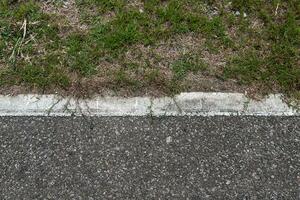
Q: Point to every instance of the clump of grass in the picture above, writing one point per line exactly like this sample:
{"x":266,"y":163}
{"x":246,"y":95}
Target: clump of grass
{"x":124,"y":30}
{"x":81,"y":56}
{"x":188,"y":63}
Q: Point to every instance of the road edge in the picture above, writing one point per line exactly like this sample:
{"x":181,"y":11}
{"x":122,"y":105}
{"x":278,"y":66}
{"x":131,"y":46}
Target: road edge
{"x":184,"y":104}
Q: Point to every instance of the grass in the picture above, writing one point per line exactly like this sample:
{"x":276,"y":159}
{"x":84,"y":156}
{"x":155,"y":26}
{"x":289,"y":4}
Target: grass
{"x":23,"y":63}
{"x":186,"y":64}
{"x":144,"y":46}
{"x":279,"y":64}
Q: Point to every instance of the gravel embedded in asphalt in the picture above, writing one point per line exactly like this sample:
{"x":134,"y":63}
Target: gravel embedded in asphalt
{"x":150,"y":158}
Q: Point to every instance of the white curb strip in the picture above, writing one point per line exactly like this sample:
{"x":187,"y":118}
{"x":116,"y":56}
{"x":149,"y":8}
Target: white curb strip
{"x":190,"y":104}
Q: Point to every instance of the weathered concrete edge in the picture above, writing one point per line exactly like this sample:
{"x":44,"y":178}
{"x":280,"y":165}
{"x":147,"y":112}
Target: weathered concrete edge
{"x":185,"y":104}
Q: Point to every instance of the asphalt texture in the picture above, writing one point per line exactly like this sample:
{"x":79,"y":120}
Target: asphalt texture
{"x":150,"y":158}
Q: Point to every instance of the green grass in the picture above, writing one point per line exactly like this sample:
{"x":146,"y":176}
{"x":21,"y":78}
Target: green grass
{"x":23,"y":62}
{"x":264,"y":47}
{"x":80,"y":55}
{"x":279,"y":64}
{"x":186,"y":64}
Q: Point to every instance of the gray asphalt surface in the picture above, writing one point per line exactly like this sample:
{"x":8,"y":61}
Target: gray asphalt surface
{"x":150,"y":158}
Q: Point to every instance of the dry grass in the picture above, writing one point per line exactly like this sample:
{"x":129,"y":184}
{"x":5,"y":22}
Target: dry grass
{"x":68,"y":14}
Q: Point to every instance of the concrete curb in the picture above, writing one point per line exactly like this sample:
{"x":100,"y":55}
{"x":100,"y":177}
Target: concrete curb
{"x":189,"y":104}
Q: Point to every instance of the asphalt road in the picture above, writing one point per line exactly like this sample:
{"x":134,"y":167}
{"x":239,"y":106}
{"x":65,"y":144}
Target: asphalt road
{"x":150,"y":158}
